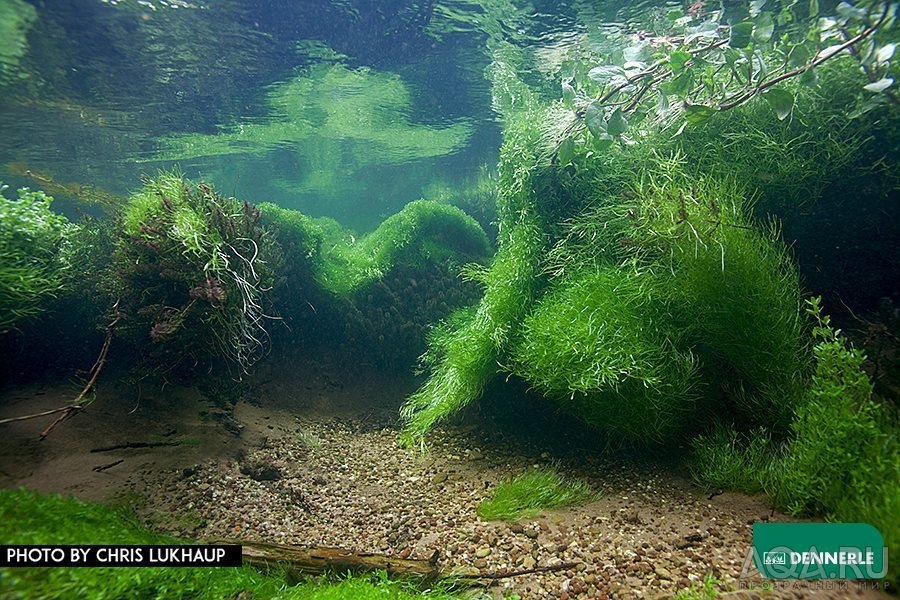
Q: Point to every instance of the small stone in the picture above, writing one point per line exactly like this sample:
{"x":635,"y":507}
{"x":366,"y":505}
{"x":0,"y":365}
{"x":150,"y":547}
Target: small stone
{"x":663,"y":573}
{"x":480,"y":563}
{"x":483,"y":552}
{"x":529,"y":562}
{"x":439,"y":478}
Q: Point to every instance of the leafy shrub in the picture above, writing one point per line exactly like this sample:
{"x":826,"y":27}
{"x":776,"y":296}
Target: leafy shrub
{"x":526,"y":495}
{"x":34,"y":255}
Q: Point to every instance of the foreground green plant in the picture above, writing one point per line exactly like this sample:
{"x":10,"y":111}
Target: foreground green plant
{"x":527,"y":495}
{"x":30,"y":518}
{"x":34,"y":254}
{"x":841,"y":458}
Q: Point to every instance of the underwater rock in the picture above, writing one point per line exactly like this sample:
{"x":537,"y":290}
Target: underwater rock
{"x":260,"y":471}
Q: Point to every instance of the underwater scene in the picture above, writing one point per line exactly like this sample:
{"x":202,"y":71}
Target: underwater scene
{"x":449,"y":299}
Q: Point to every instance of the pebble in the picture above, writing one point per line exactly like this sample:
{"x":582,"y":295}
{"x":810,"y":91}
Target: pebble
{"x":365,"y":494}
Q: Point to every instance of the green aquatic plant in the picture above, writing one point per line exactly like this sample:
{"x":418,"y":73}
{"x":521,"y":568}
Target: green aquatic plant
{"x":586,"y":346}
{"x":196,"y":267}
{"x":423,"y":232}
{"x":840,"y":459}
{"x":699,"y":65}
{"x":34,"y":255}
{"x":31,"y":518}
{"x":16,"y":20}
{"x":528,"y":494}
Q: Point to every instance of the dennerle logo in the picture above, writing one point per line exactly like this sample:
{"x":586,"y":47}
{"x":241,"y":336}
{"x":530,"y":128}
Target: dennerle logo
{"x":819,"y":551}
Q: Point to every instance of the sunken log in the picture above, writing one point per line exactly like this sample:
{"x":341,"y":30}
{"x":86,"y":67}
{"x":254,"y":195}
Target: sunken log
{"x":315,"y":561}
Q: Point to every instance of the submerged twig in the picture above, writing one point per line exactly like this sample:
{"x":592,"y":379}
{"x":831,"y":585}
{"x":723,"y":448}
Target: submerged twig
{"x":81,"y":400}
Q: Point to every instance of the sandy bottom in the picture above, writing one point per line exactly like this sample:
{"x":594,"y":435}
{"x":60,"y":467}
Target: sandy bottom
{"x":312,"y":459}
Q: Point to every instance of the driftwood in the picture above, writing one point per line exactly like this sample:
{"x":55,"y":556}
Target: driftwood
{"x":82,"y":400}
{"x":101,"y":468}
{"x":316,"y":561}
{"x":131,"y":445}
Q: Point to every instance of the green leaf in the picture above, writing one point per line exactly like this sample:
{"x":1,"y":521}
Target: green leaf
{"x":697,"y":113}
{"x":593,"y":118}
{"x":674,"y":14}
{"x":604,"y":73}
{"x":810,"y":77}
{"x":568,"y":94}
{"x":741,"y":34}
{"x":885,"y":53}
{"x":813,"y":9}
{"x":678,"y":59}
{"x":603,"y":142}
{"x":617,"y":124}
{"x":880,"y":85}
{"x":756,"y":6}
{"x":663,"y":106}
{"x":781,"y":101}
{"x":798,"y":56}
{"x":566,"y":151}
{"x":680,"y":85}
{"x":848,"y":11}
{"x":764,"y":28}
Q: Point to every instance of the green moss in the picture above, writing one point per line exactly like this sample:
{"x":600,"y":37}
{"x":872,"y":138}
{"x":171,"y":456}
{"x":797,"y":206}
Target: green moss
{"x":464,"y":357}
{"x":586,"y":345}
{"x":423,"y":232}
{"x":30,"y":518}
{"x":527,"y":495}
{"x":34,"y":255}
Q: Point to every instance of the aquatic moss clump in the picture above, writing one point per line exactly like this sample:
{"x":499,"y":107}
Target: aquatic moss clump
{"x":528,"y":494}
{"x":377,"y":293}
{"x":34,"y":255}
{"x":586,"y":345}
{"x":423,"y":232}
{"x":193,"y":269}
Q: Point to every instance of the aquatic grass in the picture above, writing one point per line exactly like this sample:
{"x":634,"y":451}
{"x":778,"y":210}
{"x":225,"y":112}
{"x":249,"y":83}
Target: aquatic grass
{"x":463,"y":358}
{"x":527,"y":495}
{"x":587,"y":347}
{"x":727,"y":459}
{"x":31,"y":518}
